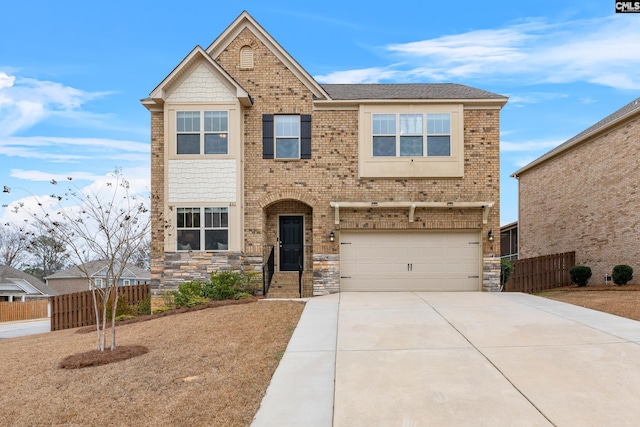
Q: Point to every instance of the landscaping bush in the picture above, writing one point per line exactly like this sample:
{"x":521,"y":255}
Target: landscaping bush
{"x":223,"y":285}
{"x":144,"y":306}
{"x":580,"y":275}
{"x":189,"y":294}
{"x":622,"y":274}
{"x":506,"y":268}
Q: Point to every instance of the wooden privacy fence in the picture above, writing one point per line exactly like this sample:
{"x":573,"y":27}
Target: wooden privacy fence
{"x":18,"y":310}
{"x":541,"y":273}
{"x":76,"y":310}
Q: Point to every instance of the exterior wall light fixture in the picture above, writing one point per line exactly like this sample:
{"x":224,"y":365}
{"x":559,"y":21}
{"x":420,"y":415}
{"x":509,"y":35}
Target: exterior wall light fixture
{"x":332,"y":237}
{"x":490,"y":235}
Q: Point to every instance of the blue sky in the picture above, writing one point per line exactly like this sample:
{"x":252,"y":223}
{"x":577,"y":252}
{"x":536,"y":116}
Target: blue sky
{"x":72,"y":73}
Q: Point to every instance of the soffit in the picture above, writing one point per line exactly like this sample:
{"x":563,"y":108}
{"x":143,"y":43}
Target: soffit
{"x":608,"y":123}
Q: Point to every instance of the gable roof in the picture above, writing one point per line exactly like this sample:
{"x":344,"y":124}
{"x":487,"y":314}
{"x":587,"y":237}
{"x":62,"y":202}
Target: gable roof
{"x":244,"y":20}
{"x":95,"y":268}
{"x":19,"y":278}
{"x":158,"y":95}
{"x":603,"y":125}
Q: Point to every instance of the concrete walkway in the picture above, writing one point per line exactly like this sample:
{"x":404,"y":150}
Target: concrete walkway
{"x":451,"y":359}
{"x":24,"y":327}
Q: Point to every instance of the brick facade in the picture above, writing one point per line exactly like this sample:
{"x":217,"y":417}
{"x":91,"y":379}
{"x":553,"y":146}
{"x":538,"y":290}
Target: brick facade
{"x":306,"y":187}
{"x":585,"y":200}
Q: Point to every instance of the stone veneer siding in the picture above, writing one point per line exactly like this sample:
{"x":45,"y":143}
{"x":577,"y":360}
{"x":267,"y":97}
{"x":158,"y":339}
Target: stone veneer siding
{"x":332,"y":175}
{"x":586,"y":200}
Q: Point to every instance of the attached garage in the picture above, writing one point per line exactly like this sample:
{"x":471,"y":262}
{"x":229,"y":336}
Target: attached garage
{"x":410,"y":260}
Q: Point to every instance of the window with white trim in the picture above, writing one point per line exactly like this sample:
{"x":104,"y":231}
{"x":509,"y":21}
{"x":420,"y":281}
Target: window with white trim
{"x":287,"y":137}
{"x":202,"y":229}
{"x":404,"y":135}
{"x":202,"y":132}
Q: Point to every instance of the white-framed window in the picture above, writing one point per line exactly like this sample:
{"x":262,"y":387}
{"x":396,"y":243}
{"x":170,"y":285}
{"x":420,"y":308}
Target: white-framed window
{"x":202,"y":132}
{"x":126,"y":282}
{"x":202,"y":229}
{"x":287,"y":137}
{"x":404,"y":135}
{"x":98,"y":283}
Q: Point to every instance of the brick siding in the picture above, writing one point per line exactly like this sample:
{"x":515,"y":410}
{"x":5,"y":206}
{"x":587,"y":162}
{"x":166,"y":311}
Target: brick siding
{"x":307,"y":187}
{"x":586,"y":201}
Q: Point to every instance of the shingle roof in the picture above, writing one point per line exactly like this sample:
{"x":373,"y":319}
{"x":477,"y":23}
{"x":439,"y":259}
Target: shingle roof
{"x":95,"y":266}
{"x":7,"y":273}
{"x":630,"y":108}
{"x":407,"y":91}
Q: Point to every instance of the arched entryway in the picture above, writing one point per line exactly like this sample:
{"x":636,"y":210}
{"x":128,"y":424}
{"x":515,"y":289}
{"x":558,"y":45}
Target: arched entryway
{"x":288,"y":229}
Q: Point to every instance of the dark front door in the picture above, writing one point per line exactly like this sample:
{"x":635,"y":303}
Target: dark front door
{"x":291,"y":241}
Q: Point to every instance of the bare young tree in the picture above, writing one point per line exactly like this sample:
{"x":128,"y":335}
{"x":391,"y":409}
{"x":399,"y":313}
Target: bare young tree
{"x":104,"y":221}
{"x":13,"y":244}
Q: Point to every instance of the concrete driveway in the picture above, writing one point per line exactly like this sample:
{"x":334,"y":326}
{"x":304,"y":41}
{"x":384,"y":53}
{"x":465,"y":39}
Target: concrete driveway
{"x":449,"y":359}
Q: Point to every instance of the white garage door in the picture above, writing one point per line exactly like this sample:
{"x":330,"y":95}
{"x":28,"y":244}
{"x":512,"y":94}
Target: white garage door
{"x":410,"y":261}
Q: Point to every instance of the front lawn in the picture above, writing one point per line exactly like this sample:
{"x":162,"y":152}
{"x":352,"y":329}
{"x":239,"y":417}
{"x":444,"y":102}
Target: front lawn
{"x":203,"y":368}
{"x":619,"y":300}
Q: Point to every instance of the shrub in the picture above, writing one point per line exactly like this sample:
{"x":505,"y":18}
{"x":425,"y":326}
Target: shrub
{"x":223,"y":285}
{"x":160,"y":310}
{"x":622,"y":274}
{"x":122,"y":309}
{"x":506,"y":268}
{"x":189,"y":294}
{"x":580,"y":275}
{"x":144,"y":307}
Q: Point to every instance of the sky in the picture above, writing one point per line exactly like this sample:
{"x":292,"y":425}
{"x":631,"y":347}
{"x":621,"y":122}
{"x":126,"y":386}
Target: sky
{"x":72,"y":73}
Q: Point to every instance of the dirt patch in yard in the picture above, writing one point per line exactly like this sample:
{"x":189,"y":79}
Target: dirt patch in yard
{"x":205,"y":367}
{"x":619,"y":300}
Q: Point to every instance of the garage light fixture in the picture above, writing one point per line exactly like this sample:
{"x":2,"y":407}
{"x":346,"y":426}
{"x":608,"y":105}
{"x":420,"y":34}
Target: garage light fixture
{"x":332,"y":237}
{"x":490,"y":235}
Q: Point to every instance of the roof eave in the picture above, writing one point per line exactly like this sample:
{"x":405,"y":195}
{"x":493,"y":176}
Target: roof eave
{"x":563,"y":149}
{"x":157,"y":96}
{"x":479,"y":102}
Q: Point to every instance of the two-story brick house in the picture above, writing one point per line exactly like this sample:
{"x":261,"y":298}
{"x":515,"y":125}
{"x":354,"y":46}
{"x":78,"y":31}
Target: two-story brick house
{"x":365,"y":186}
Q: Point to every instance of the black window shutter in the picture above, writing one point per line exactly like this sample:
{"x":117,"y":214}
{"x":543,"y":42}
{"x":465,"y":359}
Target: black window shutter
{"x":305,"y":136}
{"x":267,"y":136}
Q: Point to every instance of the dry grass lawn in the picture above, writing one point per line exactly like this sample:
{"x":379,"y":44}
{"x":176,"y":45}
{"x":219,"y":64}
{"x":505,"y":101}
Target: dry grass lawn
{"x":204,"y":368}
{"x":619,"y":300}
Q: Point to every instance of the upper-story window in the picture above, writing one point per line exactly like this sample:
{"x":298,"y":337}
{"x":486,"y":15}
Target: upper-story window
{"x":286,"y":136}
{"x":202,"y":132}
{"x":405,"y":135}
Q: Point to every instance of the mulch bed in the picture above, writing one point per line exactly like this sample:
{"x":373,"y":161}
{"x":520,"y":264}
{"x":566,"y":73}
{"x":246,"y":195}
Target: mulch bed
{"x":98,"y":358}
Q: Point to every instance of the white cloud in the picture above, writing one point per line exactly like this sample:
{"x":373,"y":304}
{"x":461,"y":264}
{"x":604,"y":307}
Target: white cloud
{"x":61,"y":149}
{"x":25,"y":102}
{"x":364,"y":75}
{"x":603,"y":51}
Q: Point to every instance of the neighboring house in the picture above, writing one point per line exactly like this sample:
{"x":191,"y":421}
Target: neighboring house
{"x":16,"y":285}
{"x":509,"y":241}
{"x":362,"y":186}
{"x":73,"y":279}
{"x":582,"y":196}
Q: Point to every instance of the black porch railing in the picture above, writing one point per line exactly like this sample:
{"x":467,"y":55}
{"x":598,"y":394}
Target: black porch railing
{"x":268,"y":268}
